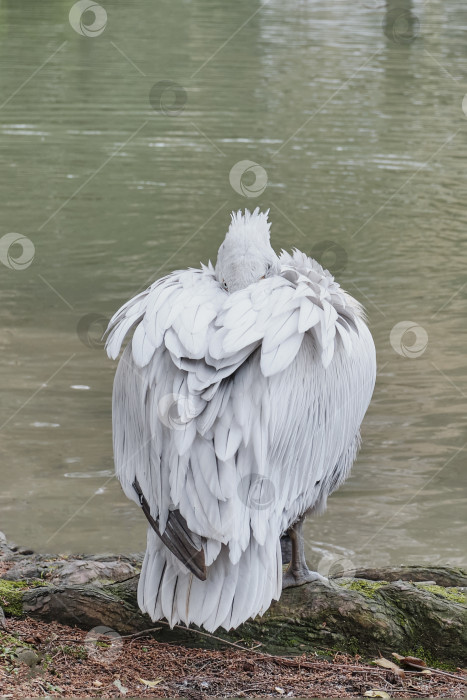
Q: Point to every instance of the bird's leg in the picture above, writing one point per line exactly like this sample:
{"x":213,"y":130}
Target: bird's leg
{"x":297,"y":572}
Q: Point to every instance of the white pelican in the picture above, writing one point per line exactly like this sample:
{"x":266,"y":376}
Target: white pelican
{"x":236,"y":412}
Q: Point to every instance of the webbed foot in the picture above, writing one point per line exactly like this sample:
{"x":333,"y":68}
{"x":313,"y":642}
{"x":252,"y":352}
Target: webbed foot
{"x":300,"y":577}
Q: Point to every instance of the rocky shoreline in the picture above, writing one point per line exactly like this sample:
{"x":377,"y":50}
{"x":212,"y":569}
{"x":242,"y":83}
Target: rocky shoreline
{"x":410,"y":610}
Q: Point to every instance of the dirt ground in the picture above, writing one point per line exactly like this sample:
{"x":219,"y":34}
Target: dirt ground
{"x":58,"y":661}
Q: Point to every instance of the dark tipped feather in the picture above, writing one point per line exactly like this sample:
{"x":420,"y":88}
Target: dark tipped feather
{"x":177,"y":537}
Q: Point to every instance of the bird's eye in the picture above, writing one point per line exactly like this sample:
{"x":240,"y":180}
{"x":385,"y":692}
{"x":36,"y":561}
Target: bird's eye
{"x":224,"y":284}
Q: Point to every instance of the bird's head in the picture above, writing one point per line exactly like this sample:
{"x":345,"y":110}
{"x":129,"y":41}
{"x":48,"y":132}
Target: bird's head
{"x":246,"y":255}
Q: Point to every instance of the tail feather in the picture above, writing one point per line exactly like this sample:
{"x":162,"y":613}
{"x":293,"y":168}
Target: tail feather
{"x":231,"y":594}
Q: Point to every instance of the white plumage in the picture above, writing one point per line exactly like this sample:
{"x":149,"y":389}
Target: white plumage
{"x":237,"y":408}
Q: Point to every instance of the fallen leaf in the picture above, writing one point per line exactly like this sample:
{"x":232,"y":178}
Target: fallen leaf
{"x":150,"y":684}
{"x":426,"y":672}
{"x":118,"y":684}
{"x":413,"y":661}
{"x":97,"y":683}
{"x":385,"y":663}
{"x":281,"y":691}
{"x":376,"y":694}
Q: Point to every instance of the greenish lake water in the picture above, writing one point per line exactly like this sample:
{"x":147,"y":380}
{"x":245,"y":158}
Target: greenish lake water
{"x":355,"y":113}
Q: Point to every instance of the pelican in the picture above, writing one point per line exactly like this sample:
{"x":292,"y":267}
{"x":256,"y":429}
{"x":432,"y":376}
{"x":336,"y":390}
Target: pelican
{"x":237,"y":408}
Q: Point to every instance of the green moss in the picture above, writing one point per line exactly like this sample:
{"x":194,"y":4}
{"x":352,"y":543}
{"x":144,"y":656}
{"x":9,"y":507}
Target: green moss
{"x":78,"y":652}
{"x":35,"y":582}
{"x":9,"y":640}
{"x":352,"y":645}
{"x":430,"y":660}
{"x":453,"y":594}
{"x":363,"y":586}
{"x":102,"y":582}
{"x":11,"y":594}
{"x":46,"y":661}
{"x":10,"y":646}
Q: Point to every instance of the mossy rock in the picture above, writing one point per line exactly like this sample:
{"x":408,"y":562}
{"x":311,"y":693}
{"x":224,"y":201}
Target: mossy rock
{"x":455,"y":594}
{"x":365,"y":615}
{"x":364,"y":587}
{"x":361,"y":617}
{"x":11,"y":595}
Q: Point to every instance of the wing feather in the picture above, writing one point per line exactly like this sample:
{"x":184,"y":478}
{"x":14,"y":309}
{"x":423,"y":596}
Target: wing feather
{"x":143,"y":349}
{"x":227,"y":438}
{"x":280,"y":357}
{"x":280,"y":329}
{"x":309,"y":315}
